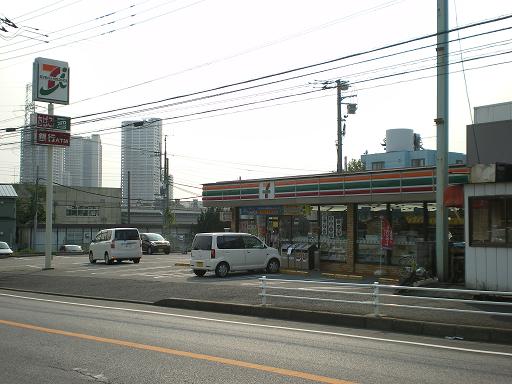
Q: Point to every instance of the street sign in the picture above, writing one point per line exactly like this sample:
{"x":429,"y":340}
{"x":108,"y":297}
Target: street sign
{"x":50,"y":81}
{"x":60,"y":123}
{"x":58,"y":138}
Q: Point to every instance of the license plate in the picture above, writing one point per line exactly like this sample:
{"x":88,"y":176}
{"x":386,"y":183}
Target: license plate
{"x":199,"y":264}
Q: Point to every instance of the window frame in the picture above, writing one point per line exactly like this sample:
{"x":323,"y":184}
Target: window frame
{"x":378,"y":165}
{"x":507,"y":200}
{"x":420,"y":162}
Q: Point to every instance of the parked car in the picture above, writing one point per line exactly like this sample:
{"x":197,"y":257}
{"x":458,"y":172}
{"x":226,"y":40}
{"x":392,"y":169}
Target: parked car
{"x":71,"y":248}
{"x":154,"y":242}
{"x":226,"y":251}
{"x":5,"y":249}
{"x":116,"y":244}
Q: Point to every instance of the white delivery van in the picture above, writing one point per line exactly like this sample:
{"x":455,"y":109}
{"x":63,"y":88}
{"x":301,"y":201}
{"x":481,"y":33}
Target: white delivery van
{"x":227,"y":251}
{"x":116,"y":244}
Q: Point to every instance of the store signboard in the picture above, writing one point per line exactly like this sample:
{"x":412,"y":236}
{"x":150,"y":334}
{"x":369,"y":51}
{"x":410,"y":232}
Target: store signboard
{"x":267,"y":190}
{"x":50,"y":81}
{"x":269,"y":210}
{"x":274,"y":210}
{"x":58,"y":138}
{"x":52,"y":122}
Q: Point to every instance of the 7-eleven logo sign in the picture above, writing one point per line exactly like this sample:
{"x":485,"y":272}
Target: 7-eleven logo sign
{"x":267,"y":190}
{"x":50,"y":81}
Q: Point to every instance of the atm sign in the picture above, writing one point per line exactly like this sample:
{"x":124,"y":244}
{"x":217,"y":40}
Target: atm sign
{"x":60,"y":123}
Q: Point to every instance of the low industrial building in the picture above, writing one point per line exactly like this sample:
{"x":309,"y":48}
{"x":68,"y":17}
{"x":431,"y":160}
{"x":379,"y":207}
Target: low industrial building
{"x":8,"y":198}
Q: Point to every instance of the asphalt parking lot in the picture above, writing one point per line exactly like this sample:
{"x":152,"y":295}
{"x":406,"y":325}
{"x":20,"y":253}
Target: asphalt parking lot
{"x":161,"y":267}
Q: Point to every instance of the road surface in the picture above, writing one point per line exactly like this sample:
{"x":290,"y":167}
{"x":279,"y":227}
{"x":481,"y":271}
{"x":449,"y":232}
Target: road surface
{"x":45,"y":339}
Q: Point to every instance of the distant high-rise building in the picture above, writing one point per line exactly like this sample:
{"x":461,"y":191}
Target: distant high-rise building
{"x":141,"y":145}
{"x":82,"y":162}
{"x":33,"y":158}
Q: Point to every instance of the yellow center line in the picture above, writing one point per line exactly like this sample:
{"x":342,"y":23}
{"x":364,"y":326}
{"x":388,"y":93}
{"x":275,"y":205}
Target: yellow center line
{"x":175,"y":352}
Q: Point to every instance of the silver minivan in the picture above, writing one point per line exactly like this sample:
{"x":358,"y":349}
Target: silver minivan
{"x":223,"y":252}
{"x":116,"y":244}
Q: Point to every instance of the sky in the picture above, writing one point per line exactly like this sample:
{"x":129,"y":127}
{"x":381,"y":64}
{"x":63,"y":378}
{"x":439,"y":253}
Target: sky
{"x":240,"y":84}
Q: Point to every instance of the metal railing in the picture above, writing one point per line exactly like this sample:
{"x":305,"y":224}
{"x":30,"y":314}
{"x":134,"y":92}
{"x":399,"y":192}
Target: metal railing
{"x":376,"y":292}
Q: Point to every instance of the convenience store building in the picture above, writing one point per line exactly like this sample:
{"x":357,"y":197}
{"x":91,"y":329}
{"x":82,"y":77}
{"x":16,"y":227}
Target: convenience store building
{"x":341,"y":216}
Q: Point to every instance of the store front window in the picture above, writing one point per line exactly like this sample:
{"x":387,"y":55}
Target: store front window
{"x":413,"y":228}
{"x":491,"y":221}
{"x":333,"y":233}
{"x":368,"y":249}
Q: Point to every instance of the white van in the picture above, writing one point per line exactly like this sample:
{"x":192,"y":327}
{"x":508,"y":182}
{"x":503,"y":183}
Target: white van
{"x":227,"y":251}
{"x":116,"y":244}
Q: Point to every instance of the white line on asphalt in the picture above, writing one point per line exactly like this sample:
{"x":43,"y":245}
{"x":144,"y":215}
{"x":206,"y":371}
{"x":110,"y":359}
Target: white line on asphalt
{"x":348,"y":335}
{"x":135,"y":270}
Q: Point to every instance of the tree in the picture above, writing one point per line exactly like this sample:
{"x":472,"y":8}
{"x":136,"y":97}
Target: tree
{"x":26,"y":204}
{"x":169,"y":220}
{"x":356,"y":166}
{"x":209,"y":221}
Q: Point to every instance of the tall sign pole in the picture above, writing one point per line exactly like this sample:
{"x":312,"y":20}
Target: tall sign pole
{"x":49,"y":203}
{"x":50,"y":84}
{"x":442,"y":140}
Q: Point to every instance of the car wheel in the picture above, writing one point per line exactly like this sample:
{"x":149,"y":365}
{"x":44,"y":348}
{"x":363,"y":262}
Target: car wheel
{"x":91,"y":258}
{"x":150,"y":250}
{"x":107,"y":259}
{"x":273,"y":266}
{"x":222,"y":269}
{"x":167,"y":251}
{"x":199,"y":272}
{"x":136,"y":261}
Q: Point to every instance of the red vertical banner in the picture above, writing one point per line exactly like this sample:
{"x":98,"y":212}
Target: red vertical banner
{"x":386,"y":234}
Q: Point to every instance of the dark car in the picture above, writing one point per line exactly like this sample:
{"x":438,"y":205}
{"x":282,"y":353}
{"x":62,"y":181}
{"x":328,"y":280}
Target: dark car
{"x":154,"y":243}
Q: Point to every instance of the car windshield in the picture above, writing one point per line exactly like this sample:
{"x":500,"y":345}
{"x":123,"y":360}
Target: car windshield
{"x":154,"y":237}
{"x":4,"y":245}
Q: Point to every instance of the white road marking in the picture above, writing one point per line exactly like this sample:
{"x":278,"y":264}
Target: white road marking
{"x":256,"y":325}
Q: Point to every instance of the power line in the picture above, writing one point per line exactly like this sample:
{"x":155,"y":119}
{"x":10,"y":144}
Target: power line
{"x":274,"y":82}
{"x":303,"y":93}
{"x":218,"y":88}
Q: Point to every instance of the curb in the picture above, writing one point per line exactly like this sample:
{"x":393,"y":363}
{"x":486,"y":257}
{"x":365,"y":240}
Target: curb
{"x":473,"y":333}
{"x":294,"y":272}
{"x":387,"y":324}
{"x":343,"y":276}
{"x":182,"y":264}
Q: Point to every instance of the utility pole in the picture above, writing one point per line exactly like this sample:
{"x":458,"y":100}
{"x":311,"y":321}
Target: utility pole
{"x":351,"y":109}
{"x":442,"y":140}
{"x":129,"y":202}
{"x":34,"y":237}
{"x":339,"y":167}
{"x":166,"y":188}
